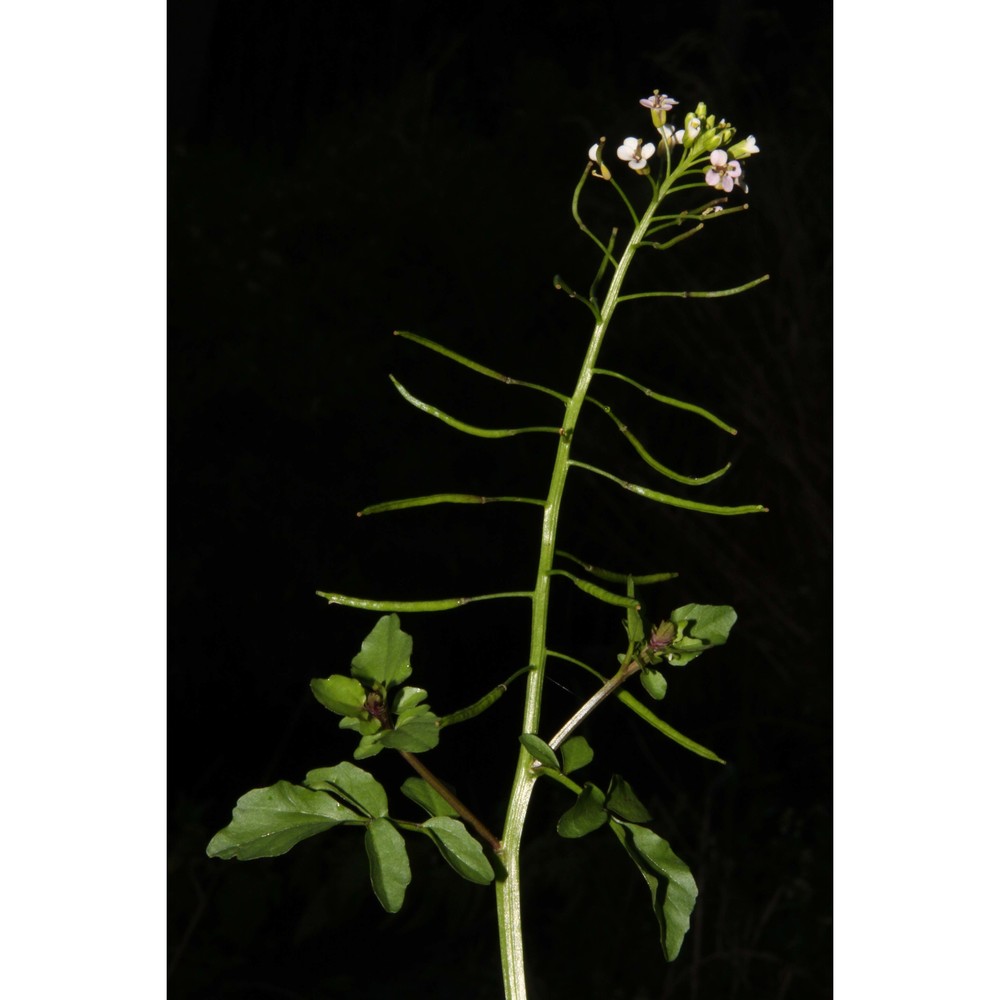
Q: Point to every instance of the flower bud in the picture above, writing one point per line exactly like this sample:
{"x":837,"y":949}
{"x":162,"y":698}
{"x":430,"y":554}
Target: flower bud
{"x":692,"y":128}
{"x":744,"y":148}
{"x":711,"y":140}
{"x":595,"y":154}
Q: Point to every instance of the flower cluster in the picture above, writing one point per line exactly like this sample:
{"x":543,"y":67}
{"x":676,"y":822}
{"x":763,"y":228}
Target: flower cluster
{"x":700,"y":134}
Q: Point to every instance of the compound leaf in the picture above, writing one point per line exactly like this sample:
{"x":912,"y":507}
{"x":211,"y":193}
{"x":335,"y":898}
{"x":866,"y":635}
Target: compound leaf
{"x":575,"y":753}
{"x":388,"y":863}
{"x":623,"y":802}
{"x":368,"y":746}
{"x":587,"y":815}
{"x":540,"y":750}
{"x":699,"y":627}
{"x":670,"y":882}
{"x":268,"y":822}
{"x":417,"y":790}
{"x":385,"y":654}
{"x":353,"y":785}
{"x":340,"y":694}
{"x":654,"y":682}
{"x":408,"y":697}
{"x":416,"y":732}
{"x":460,"y":849}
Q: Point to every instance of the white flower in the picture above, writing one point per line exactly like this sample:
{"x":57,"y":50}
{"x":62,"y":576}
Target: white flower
{"x":723,"y":173}
{"x":658,"y":102}
{"x":671,"y":136}
{"x":635,"y":154}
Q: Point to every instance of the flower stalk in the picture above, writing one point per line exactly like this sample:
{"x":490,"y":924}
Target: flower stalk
{"x":508,"y":889}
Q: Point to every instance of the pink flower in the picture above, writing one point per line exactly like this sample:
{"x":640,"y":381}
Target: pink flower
{"x":658,"y":102}
{"x":723,"y":173}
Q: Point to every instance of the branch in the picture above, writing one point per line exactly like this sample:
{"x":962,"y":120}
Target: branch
{"x":644,"y":713}
{"x":563,"y":287}
{"x":454,"y":801}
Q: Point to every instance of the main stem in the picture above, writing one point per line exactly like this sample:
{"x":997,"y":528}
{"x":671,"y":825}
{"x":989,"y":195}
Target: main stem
{"x":509,"y":888}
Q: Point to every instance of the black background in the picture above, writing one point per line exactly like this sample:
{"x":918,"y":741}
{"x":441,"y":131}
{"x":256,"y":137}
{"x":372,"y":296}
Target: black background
{"x":337,"y":172}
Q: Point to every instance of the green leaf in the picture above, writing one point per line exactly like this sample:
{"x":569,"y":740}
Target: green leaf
{"x":353,"y":785}
{"x":270,"y":821}
{"x":540,"y":750}
{"x":417,"y":790}
{"x":408,"y":697}
{"x":368,"y":746}
{"x":387,"y":863}
{"x":623,"y":802}
{"x":654,"y":682}
{"x":587,"y":815}
{"x":711,"y":622}
{"x":415,"y":733}
{"x":364,"y":726}
{"x":385,"y":654}
{"x":340,"y":694}
{"x":460,"y":849}
{"x":575,"y":753}
{"x":670,"y":882}
{"x":699,"y":627}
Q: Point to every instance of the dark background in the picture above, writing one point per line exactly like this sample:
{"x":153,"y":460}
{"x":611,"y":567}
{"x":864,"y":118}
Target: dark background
{"x":338,"y":171}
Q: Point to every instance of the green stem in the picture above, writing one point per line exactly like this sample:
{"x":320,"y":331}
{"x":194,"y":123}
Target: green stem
{"x":509,"y":888}
{"x":561,"y":778}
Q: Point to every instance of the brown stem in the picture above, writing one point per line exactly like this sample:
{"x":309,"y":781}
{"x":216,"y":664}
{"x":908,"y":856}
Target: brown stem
{"x":608,"y":688}
{"x":456,"y":803}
